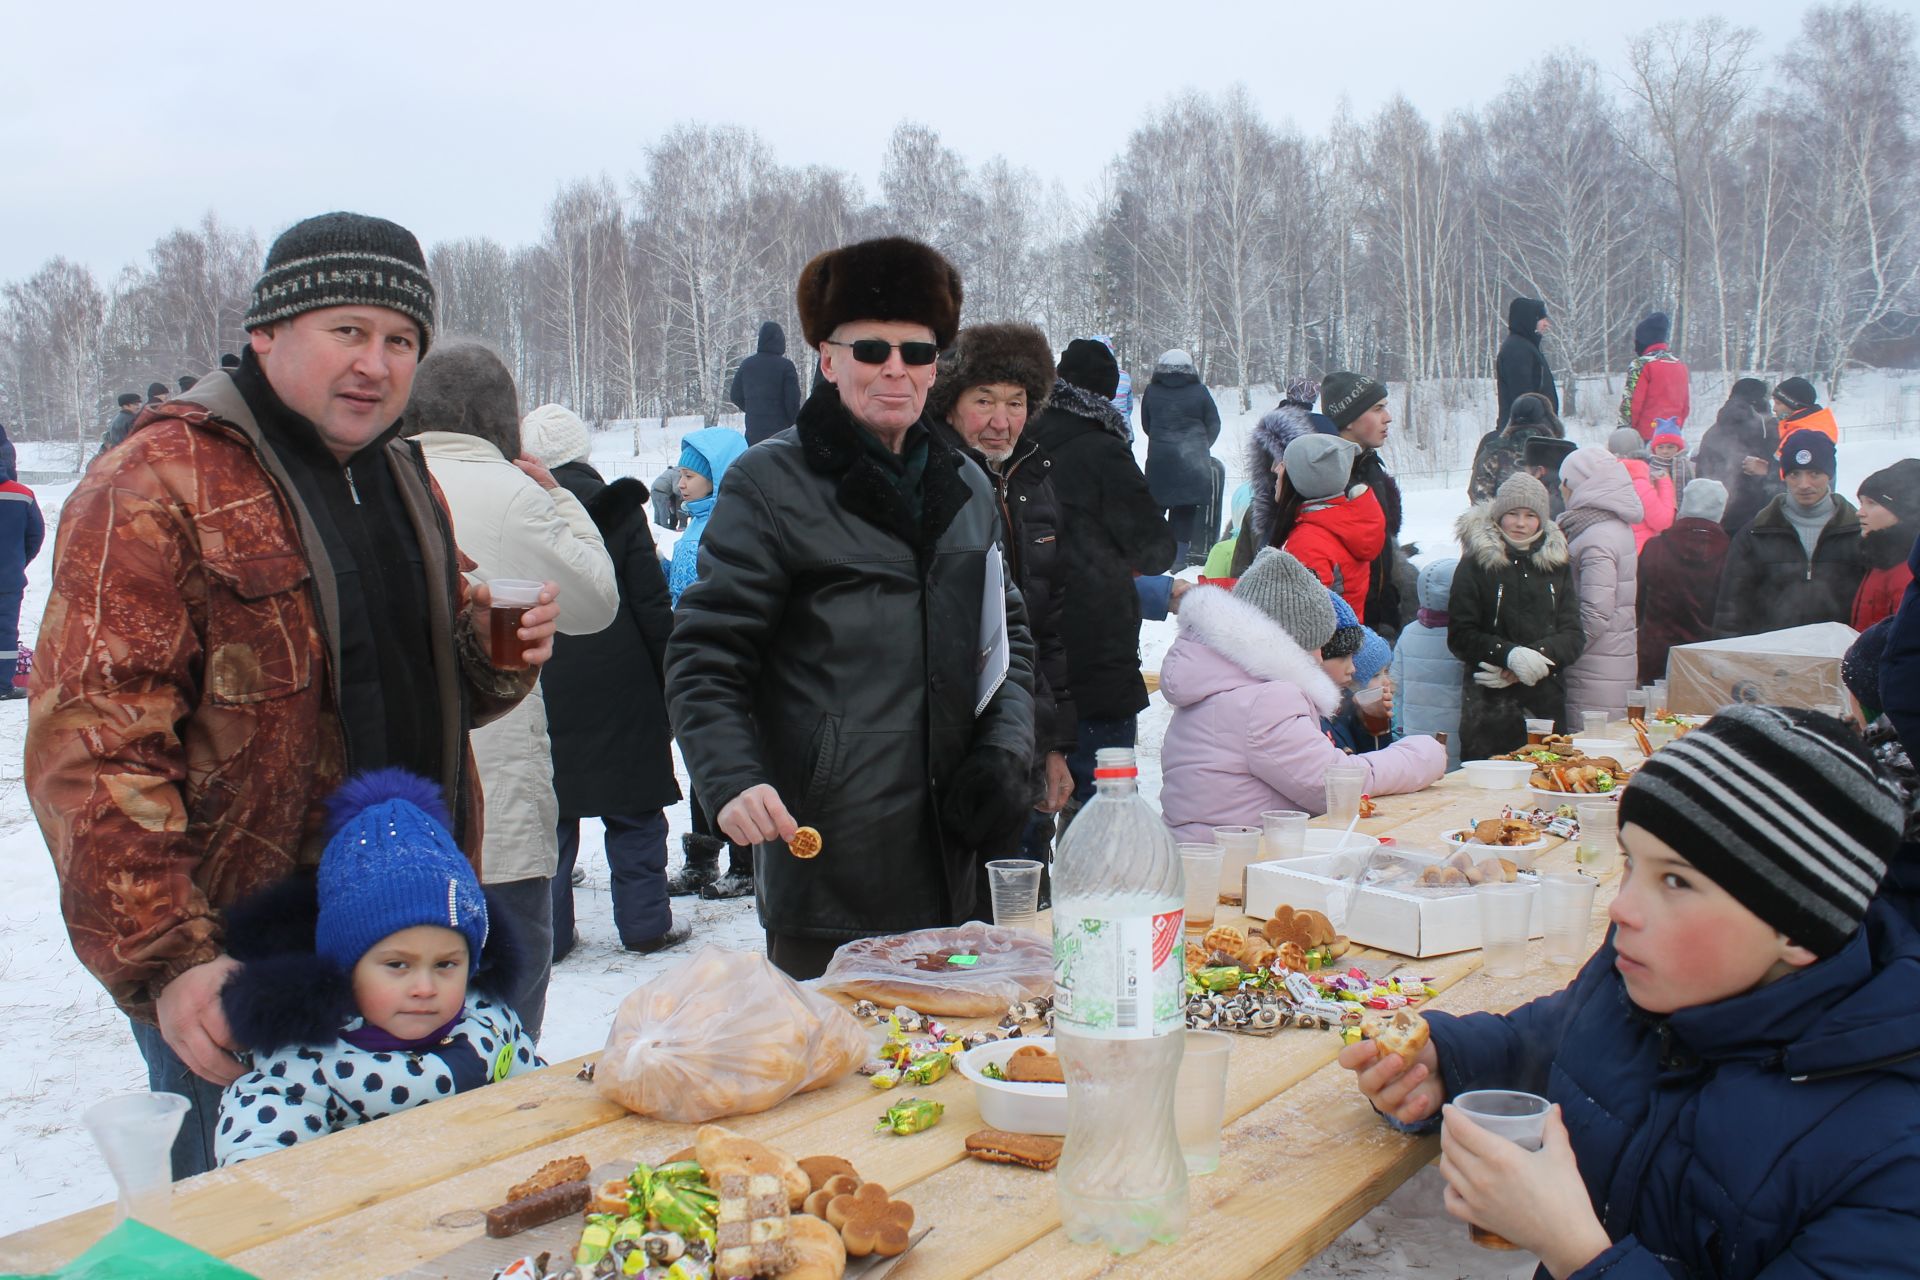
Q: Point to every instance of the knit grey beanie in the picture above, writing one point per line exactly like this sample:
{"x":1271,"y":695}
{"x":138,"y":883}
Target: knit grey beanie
{"x":1703,"y":499}
{"x":1319,"y":466}
{"x":1521,"y":491}
{"x":1625,"y":442}
{"x":1285,"y":590}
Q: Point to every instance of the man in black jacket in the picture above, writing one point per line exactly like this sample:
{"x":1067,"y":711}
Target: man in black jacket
{"x":1522,"y":366}
{"x":122,"y":421}
{"x":1357,"y":406}
{"x":767,"y":387}
{"x":987,"y":384}
{"x":1113,"y":529}
{"x":827,"y":666}
{"x":1801,"y":559}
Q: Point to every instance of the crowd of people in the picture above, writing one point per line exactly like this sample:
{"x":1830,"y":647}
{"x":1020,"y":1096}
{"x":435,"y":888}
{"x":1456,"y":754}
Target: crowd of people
{"x":315,"y":807}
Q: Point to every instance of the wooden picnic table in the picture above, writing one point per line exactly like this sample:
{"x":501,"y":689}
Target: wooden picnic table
{"x":1303,"y":1156}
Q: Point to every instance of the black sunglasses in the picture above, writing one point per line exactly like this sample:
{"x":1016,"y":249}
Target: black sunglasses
{"x":874,"y":351}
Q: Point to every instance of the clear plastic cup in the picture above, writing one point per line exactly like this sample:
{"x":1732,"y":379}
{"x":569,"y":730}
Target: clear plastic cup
{"x":1520,"y":1118}
{"x":1599,"y":833}
{"x":1659,"y":704}
{"x":1242,"y":848}
{"x":1200,"y":865}
{"x":1506,"y":914}
{"x":1014,"y":886}
{"x":1537,"y":729}
{"x":135,"y":1133}
{"x":1566,"y":914}
{"x":1346,"y":783}
{"x":1283,"y":834}
{"x":1200,"y":1100}
{"x":511,"y":597}
{"x":1593,"y":724}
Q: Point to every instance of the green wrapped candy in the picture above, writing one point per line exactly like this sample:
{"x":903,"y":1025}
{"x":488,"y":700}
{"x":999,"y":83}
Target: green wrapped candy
{"x":686,"y":1210}
{"x":595,"y":1239}
{"x":1223,"y":979}
{"x":912,"y":1116}
{"x":928,"y":1069}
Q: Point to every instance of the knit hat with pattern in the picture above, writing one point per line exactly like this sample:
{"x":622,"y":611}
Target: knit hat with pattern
{"x":390,"y":865}
{"x":1285,"y":590}
{"x":1520,"y":492}
{"x":1372,"y":657}
{"x":1780,"y":807}
{"x":1348,"y":635}
{"x":1345,"y":396}
{"x":344,"y":260}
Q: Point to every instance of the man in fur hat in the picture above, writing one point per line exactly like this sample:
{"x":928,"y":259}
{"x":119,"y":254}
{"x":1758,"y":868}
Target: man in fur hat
{"x":826,"y":669}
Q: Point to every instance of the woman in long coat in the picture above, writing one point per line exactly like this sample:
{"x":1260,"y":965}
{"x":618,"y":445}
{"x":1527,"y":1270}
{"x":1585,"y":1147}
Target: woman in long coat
{"x":1181,"y":422}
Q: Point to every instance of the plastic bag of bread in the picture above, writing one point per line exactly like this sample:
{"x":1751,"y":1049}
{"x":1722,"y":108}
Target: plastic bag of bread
{"x":724,"y":1034}
{"x":972,"y":971}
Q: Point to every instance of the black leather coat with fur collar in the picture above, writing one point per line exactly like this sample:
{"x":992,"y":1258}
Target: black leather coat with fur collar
{"x":829,"y":648}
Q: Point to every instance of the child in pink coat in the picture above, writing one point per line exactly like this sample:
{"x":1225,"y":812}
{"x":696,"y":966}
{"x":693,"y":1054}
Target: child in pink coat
{"x":1657,"y":495}
{"x":1248,"y":694}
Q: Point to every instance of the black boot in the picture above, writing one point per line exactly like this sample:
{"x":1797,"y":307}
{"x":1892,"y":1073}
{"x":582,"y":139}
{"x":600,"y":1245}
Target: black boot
{"x":702,"y":867}
{"x":738,"y":882}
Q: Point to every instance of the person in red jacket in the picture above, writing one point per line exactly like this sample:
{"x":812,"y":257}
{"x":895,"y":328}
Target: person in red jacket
{"x":1679,"y":579}
{"x":1656,"y":380}
{"x":1889,"y":521}
{"x":1334,"y":529}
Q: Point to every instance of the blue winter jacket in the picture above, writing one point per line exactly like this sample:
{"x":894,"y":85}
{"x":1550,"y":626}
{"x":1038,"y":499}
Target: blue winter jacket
{"x":22,"y":529}
{"x":1427,"y":677}
{"x":1773,"y":1134}
{"x":719,"y":446}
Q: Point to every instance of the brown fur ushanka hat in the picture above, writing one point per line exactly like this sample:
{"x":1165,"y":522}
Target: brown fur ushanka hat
{"x":887,"y":279}
{"x":989,"y":353}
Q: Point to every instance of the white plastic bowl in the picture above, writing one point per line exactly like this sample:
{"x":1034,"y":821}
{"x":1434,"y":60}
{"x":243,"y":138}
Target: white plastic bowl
{"x":1017,"y":1108}
{"x":1520,"y":855}
{"x":1321,"y":841}
{"x":1614,"y":747}
{"x":1498,"y":775}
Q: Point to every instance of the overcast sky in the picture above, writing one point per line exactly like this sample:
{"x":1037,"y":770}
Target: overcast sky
{"x":119,"y":122}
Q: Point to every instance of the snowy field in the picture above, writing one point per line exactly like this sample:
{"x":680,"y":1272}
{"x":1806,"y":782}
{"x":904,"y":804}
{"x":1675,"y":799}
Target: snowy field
{"x":71,"y":1047}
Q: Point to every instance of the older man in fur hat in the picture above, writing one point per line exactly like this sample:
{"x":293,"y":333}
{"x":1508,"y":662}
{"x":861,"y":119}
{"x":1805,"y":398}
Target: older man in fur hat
{"x":827,"y":667}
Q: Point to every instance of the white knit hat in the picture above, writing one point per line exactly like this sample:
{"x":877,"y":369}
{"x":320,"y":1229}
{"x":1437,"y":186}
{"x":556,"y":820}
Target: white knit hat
{"x":553,"y":435}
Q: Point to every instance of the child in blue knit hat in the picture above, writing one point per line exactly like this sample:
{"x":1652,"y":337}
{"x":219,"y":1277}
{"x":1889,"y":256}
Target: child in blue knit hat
{"x":369,"y":987}
{"x":1365,"y":719}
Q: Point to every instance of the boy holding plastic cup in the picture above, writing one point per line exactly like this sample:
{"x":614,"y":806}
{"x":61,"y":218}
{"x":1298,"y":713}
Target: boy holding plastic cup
{"x":1735,"y":1069}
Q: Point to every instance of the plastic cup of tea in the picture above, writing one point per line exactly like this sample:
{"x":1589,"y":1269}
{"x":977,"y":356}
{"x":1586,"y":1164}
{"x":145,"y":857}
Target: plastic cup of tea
{"x":135,"y":1133}
{"x":1200,"y":1099}
{"x":1537,"y":730}
{"x":1014,"y":886}
{"x":1242,"y":848}
{"x":1520,"y":1118}
{"x":1566,"y":913}
{"x":1599,"y":833}
{"x":1283,"y":834}
{"x":1200,"y":865}
{"x":1659,"y":703}
{"x":1593,"y":724}
{"x":1346,"y":783}
{"x":1506,"y":912}
{"x":512,"y":597}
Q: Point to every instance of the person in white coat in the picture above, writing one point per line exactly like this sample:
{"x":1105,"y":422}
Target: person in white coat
{"x":1602,"y":508}
{"x":514,"y":521}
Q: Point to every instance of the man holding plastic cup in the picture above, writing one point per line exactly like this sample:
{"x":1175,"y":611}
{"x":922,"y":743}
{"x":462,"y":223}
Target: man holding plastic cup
{"x":1733,"y":1072}
{"x":257,"y":593}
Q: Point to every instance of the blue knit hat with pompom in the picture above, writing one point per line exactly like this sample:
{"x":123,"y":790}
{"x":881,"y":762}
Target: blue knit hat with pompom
{"x":391,"y":864}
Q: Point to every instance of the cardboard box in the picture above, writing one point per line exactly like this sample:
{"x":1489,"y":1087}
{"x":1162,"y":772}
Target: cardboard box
{"x":1798,"y":667}
{"x":1409,"y":924}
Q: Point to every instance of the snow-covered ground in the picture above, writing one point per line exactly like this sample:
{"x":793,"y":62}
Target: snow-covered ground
{"x":71,"y":1047}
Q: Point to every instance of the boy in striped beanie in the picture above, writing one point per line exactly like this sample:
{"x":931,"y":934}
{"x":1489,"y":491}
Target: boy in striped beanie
{"x":1734,"y":1072}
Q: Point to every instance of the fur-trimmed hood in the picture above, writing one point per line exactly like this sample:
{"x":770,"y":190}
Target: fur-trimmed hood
{"x":1253,"y":648}
{"x":1266,"y":445}
{"x":285,"y":994}
{"x":1082,"y":403}
{"x":1482,"y":542}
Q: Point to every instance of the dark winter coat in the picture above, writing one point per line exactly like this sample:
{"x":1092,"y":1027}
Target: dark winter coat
{"x":1502,"y":451}
{"x":828,"y":649}
{"x":606,"y":692}
{"x":1773,"y":1133}
{"x":1770,"y":584}
{"x":1030,"y":512}
{"x":1900,"y":671}
{"x":767,"y":386}
{"x":1884,"y":585}
{"x":1521,"y":366}
{"x":1113,"y":530}
{"x":117,"y":429}
{"x":1501,"y":598}
{"x":1385,"y":612}
{"x":22,"y":530}
{"x":1740,"y":431}
{"x":1181,"y":422}
{"x":1678,"y":586}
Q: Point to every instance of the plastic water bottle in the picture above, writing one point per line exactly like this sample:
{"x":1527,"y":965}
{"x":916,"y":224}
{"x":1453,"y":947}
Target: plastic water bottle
{"x":1120,"y":977}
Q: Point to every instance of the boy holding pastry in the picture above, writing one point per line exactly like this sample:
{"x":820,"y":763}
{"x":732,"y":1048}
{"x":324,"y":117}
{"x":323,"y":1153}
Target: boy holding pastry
{"x":1736,"y":1072}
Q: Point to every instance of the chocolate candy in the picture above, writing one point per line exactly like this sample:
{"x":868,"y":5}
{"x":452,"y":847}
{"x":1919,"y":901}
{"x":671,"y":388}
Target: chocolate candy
{"x":515,"y":1216}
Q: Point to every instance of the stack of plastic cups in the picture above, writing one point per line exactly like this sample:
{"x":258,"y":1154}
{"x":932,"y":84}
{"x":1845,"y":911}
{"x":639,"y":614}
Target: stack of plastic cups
{"x":1200,"y":867}
{"x":1566,"y":913}
{"x":1283,"y":834}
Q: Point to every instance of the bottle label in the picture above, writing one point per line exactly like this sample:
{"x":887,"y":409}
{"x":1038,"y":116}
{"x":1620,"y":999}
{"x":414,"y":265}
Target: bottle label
{"x":1118,"y":978}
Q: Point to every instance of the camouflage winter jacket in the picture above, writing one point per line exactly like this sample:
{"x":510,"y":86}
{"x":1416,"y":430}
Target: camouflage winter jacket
{"x":184,"y":724}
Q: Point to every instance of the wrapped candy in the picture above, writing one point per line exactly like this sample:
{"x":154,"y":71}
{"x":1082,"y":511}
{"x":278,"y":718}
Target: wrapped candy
{"x":1221,"y":979}
{"x":928,"y":1069}
{"x":886,"y":1079}
{"x":915,"y":1115}
{"x":596,"y":1238}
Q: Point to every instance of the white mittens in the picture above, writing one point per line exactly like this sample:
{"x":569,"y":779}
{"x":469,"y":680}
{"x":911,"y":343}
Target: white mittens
{"x":1529,"y":665}
{"x":1490,"y":676}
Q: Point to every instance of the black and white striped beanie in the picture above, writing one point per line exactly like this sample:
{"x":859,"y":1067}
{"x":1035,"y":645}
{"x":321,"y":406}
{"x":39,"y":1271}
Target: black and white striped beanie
{"x":1781,"y":808}
{"x":344,"y":260}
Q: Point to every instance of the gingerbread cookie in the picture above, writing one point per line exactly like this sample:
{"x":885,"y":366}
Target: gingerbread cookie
{"x":841,"y":1184}
{"x":870,"y":1222}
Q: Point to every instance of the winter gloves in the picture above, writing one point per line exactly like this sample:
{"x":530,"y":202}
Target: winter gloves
{"x":1529,"y":666}
{"x":1492,"y":676}
{"x":988,"y":798}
